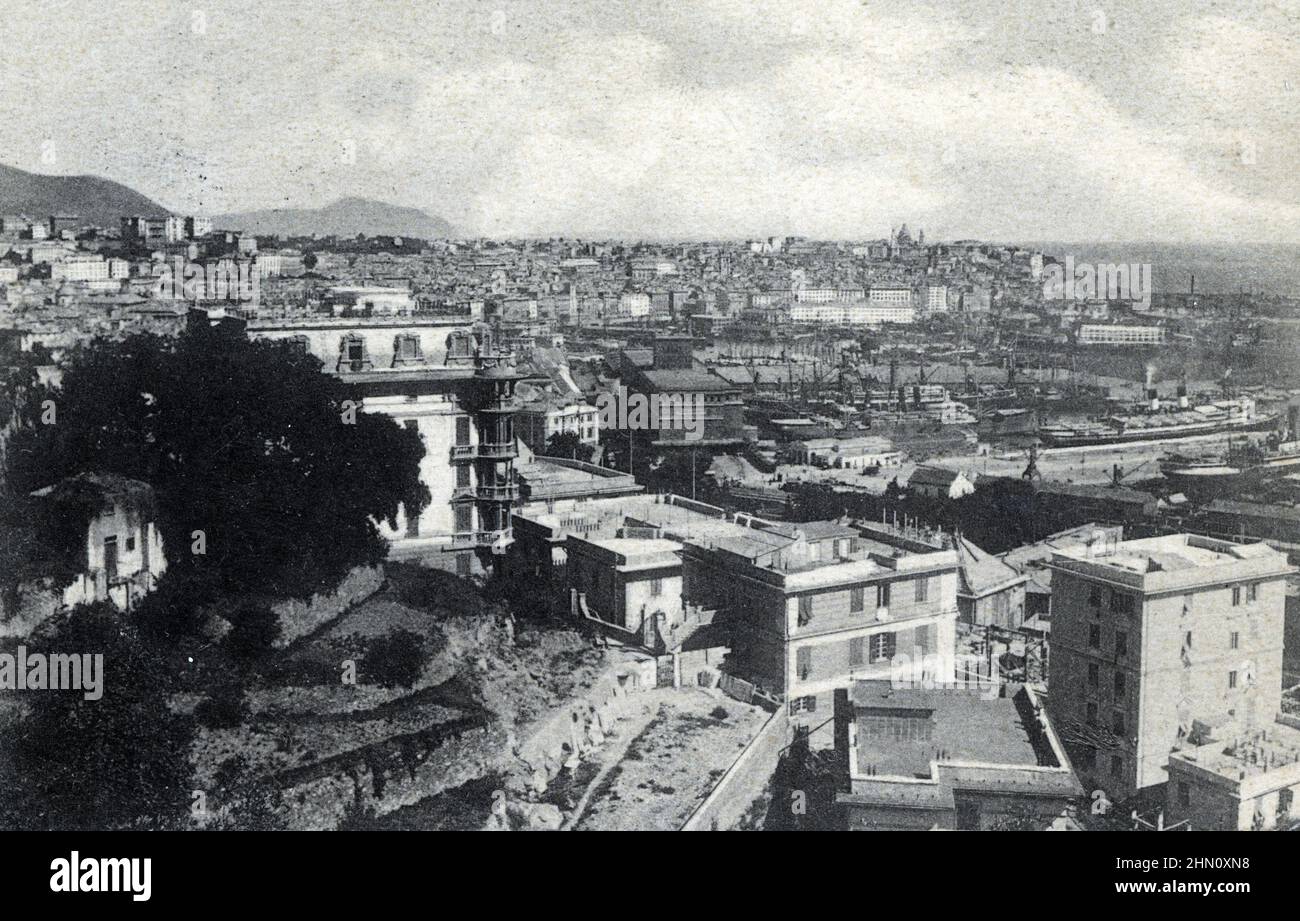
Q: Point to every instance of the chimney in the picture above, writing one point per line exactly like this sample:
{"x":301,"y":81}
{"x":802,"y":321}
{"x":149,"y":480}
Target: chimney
{"x":1152,"y":395}
{"x":1182,"y":392}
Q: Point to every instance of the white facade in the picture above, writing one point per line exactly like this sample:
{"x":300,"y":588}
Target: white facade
{"x":384,"y":301}
{"x":891,"y":295}
{"x":828,"y":295}
{"x":1117,"y":334}
{"x":124,"y":560}
{"x":80,"y":268}
{"x":634,"y":304}
{"x":936,"y":298}
{"x":857,"y":313}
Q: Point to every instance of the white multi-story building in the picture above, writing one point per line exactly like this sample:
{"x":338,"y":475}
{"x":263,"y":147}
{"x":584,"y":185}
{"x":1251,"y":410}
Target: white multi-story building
{"x":874,"y":314}
{"x":447,"y":381}
{"x":828,"y":295}
{"x":890,"y":295}
{"x":1153,"y":637}
{"x":936,"y":298}
{"x":1120,"y":334}
{"x":81,"y":267}
{"x":268,"y":264}
{"x":818,"y":312}
{"x":537,"y":421}
{"x":856,"y":313}
{"x":174,"y":228}
{"x":634,"y":304}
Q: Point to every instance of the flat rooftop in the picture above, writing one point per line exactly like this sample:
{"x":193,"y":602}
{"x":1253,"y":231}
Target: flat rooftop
{"x":901,"y":731}
{"x":746,"y":536}
{"x":1155,"y":564}
{"x":547,"y":480}
{"x":1248,"y":754}
{"x":641,"y":552}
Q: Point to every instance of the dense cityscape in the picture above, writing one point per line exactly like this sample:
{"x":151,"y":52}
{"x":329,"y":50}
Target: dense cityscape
{"x":621,"y":535}
{"x":725,"y":415}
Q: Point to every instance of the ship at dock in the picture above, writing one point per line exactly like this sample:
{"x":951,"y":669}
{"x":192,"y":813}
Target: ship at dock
{"x":1155,"y":420}
{"x":1241,"y":465}
{"x":1238,"y":414}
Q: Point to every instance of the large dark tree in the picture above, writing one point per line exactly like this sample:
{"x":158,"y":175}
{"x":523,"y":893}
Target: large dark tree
{"x":567,"y":444}
{"x":247,"y":442}
{"x":22,"y":555}
{"x":116,"y":762}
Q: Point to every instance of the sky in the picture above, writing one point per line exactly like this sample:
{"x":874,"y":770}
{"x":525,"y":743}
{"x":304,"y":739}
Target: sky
{"x":1061,"y":119}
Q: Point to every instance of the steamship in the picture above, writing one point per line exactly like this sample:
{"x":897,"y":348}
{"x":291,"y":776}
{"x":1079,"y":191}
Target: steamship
{"x":1239,"y":465}
{"x":1154,"y":421}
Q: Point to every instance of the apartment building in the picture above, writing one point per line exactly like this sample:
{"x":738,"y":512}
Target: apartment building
{"x":936,"y":298}
{"x":83,"y":267}
{"x":547,"y":415}
{"x":1150,"y":637}
{"x":804,"y":608}
{"x":890,"y":295}
{"x":631,"y":583}
{"x":813,"y":606}
{"x":450,"y":383}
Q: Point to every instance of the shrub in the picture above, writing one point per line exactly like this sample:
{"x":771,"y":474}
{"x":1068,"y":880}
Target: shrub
{"x":394,"y":660}
{"x":254,"y":628}
{"x":224,"y":708}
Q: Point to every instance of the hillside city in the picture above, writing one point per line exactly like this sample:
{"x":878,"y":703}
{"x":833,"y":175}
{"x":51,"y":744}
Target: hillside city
{"x":385,"y":532}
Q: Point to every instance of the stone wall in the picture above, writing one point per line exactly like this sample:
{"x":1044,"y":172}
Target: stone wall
{"x":298,"y":618}
{"x":746,"y":779}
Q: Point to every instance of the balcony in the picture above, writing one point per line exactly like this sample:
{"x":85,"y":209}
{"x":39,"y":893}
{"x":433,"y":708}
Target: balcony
{"x":462,"y":492}
{"x":498,"y":493}
{"x":503,"y":451}
{"x":485,"y":451}
{"x":480,"y":538}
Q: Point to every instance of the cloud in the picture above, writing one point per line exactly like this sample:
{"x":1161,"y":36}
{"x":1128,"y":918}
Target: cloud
{"x":709,"y":119}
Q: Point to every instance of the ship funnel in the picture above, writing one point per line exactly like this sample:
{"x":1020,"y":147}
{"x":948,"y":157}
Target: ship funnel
{"x":1182,"y":393}
{"x":1151,"y":388}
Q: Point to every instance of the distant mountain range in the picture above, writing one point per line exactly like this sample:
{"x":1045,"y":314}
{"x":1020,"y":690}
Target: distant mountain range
{"x":103,"y":202}
{"x":94,"y":200}
{"x":346,"y":217}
